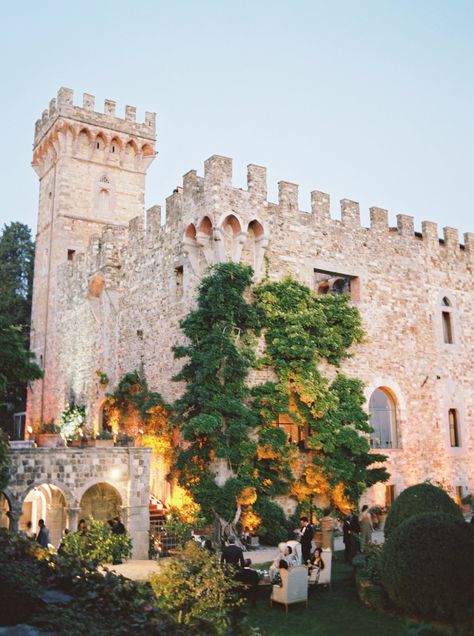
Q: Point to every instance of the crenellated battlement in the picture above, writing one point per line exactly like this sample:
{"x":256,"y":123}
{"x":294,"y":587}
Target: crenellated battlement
{"x":214,"y":191}
{"x":63,"y":106}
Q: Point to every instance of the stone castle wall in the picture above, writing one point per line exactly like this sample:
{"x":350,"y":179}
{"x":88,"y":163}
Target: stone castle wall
{"x":119,"y":306}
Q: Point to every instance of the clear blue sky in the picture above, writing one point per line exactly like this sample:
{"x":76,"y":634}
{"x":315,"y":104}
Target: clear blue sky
{"x":366,"y":99}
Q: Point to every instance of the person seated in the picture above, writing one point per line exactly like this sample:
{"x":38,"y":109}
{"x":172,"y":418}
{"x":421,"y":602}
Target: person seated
{"x":288,"y":556}
{"x":232,"y":554}
{"x":316,"y":564}
{"x":283,"y":565}
{"x":248,"y":577}
{"x":245,"y":538}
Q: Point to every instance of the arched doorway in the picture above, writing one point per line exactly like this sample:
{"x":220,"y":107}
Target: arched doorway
{"x":45,"y":501}
{"x":4,"y":510}
{"x":101,"y":501}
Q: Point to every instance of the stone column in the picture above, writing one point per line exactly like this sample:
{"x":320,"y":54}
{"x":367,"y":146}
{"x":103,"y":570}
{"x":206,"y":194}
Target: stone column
{"x":14,"y":515}
{"x":72,"y":518}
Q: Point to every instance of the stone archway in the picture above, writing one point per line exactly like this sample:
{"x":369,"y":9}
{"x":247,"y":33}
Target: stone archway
{"x":45,"y":501}
{"x":101,"y":501}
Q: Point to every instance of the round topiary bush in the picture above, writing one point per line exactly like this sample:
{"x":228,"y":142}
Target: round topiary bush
{"x":427,"y":568}
{"x":420,"y":498}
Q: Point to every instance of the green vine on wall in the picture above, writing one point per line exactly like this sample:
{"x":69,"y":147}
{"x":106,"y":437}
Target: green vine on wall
{"x":224,"y":423}
{"x":301,"y":331}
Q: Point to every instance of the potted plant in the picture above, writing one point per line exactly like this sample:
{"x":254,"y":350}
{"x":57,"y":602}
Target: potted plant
{"x":49,"y":436}
{"x":104,"y":439}
{"x":72,"y":422}
{"x":123,"y":439}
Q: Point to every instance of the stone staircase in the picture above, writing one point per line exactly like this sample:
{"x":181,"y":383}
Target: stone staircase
{"x":157,"y":515}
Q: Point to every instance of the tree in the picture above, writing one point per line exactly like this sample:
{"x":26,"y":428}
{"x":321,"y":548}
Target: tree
{"x":16,"y":282}
{"x":214,"y":418}
{"x":17,"y":252}
{"x":17,"y":366}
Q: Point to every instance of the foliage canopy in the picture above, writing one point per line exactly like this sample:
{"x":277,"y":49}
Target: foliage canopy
{"x":424,"y":497}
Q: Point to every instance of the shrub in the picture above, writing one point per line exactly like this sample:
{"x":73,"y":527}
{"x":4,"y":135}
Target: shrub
{"x":176,"y":526}
{"x":194,"y":586}
{"x":99,"y":545}
{"x":420,"y":498}
{"x":109,"y":604}
{"x":49,"y":428}
{"x":427,"y":568}
{"x":20,"y":580}
{"x":367,"y":563}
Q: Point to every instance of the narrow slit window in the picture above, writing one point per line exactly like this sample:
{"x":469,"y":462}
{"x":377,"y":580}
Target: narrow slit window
{"x":71,"y":255}
{"x":454,"y":437}
{"x":447,"y":328}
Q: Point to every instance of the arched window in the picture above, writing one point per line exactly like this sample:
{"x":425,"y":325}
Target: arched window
{"x":447,"y":320}
{"x":383,"y":419}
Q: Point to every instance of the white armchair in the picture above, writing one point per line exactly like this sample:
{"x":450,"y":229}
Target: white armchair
{"x":294,"y":587}
{"x":325,"y":574}
{"x":295,"y":547}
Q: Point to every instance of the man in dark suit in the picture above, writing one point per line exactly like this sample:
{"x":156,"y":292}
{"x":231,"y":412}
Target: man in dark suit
{"x":250,"y":579}
{"x":232,"y":554}
{"x":350,"y":532}
{"x":306,"y":534}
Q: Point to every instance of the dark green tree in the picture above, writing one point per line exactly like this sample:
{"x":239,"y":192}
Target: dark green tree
{"x":214,"y":418}
{"x":16,"y":282}
{"x":17,"y":253}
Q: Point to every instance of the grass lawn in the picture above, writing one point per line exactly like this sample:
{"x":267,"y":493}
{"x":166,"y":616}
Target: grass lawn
{"x":335,"y":612}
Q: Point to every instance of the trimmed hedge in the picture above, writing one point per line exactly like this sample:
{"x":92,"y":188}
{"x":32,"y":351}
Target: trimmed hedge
{"x":427,"y":568}
{"x":417,"y":499}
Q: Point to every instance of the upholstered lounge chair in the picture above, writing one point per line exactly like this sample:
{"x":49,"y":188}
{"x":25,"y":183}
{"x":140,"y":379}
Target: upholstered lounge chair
{"x":294,"y":587}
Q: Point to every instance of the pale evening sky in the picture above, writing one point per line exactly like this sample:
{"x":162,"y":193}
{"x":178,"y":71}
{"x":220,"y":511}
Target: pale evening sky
{"x":372,"y":100}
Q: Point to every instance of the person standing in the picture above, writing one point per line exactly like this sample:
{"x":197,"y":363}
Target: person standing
{"x":232,"y":554}
{"x":366,"y":526}
{"x":346,"y":537}
{"x":43,"y":534}
{"x":118,"y":527}
{"x":306,"y":535}
{"x":327,"y":528}
{"x":29,"y":532}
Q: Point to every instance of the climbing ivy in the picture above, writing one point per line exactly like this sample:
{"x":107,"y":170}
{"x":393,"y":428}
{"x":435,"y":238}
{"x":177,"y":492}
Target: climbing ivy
{"x":134,"y":410}
{"x":213,"y":412}
{"x":236,"y":458}
{"x":302,"y":333}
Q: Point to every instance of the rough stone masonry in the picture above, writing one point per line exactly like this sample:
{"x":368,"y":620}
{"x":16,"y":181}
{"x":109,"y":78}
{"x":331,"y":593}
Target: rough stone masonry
{"x":111,"y":285}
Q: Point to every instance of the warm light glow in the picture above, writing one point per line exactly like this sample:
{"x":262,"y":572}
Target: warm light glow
{"x":115,"y":473}
{"x":251,"y":521}
{"x":30,"y":429}
{"x":182,"y":500}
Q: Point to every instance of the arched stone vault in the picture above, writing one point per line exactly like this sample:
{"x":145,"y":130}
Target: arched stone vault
{"x":74,"y":471}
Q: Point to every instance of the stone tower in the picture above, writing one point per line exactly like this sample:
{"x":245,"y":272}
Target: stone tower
{"x":91,"y":168}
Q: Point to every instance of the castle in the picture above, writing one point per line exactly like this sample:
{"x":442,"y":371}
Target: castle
{"x":111,"y":285}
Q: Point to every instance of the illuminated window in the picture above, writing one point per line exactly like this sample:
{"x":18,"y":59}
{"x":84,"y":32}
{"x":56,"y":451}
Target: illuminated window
{"x":383,"y":419}
{"x":454,"y":437}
